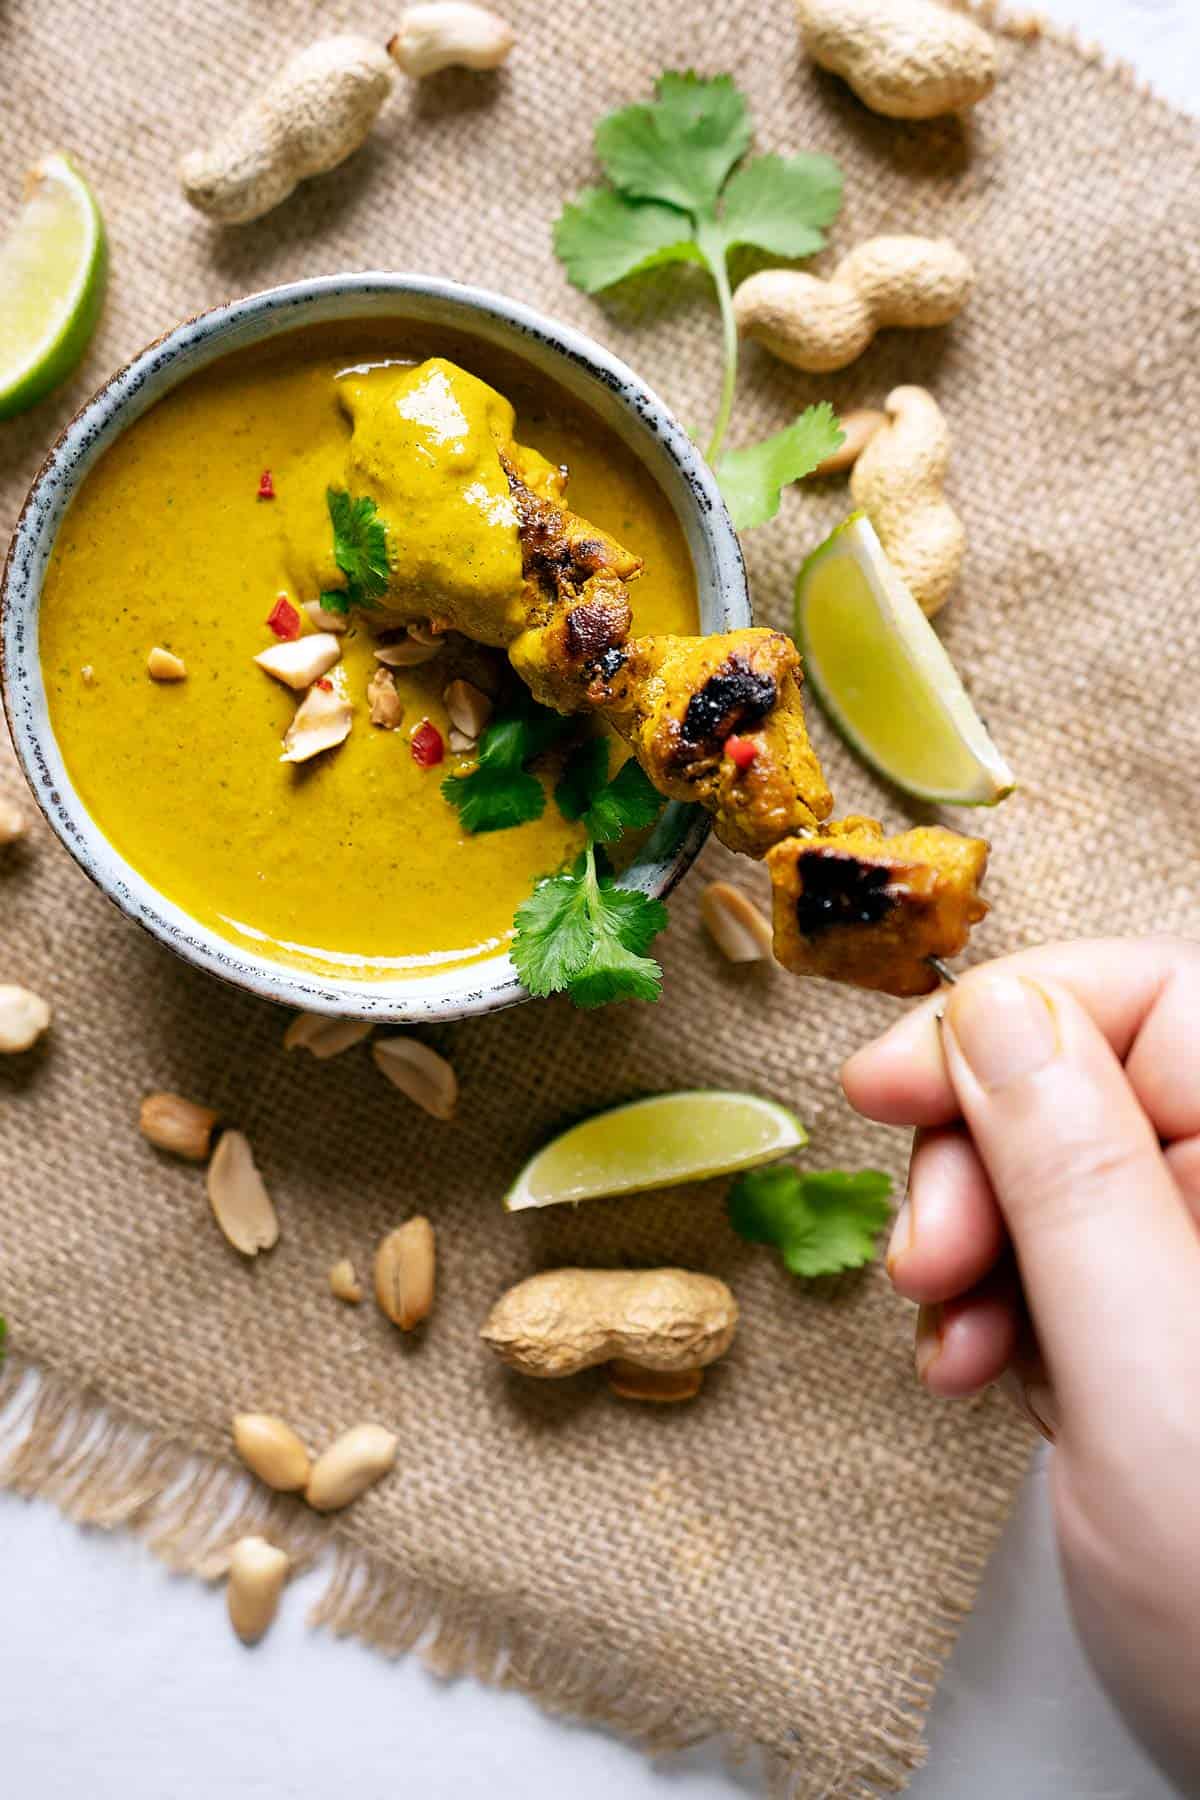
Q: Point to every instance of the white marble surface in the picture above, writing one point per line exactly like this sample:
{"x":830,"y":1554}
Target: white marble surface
{"x":116,"y":1680}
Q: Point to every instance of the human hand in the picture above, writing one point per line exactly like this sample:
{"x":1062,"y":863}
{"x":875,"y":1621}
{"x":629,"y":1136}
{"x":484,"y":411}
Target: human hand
{"x":1050,"y":1235}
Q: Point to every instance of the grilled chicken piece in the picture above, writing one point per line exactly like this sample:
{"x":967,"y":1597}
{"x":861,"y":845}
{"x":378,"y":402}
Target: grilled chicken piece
{"x":719,"y":720}
{"x":857,"y":906}
{"x":575,"y":600}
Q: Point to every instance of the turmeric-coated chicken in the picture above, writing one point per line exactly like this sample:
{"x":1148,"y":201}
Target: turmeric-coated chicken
{"x":719,"y":720}
{"x":857,"y":906}
{"x":485,"y":545}
{"x":576,"y":604}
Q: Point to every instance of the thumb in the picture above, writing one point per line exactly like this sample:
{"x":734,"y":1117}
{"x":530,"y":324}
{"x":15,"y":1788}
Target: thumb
{"x":1108,"y":1252}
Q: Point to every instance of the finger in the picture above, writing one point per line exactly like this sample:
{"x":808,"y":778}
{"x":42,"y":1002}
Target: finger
{"x":1027,"y":1384}
{"x":1183,"y":1160}
{"x":1108,"y":1254}
{"x":949,"y":1232}
{"x":964,"y":1345}
{"x":1143,"y":993}
{"x":1034,"y":1400}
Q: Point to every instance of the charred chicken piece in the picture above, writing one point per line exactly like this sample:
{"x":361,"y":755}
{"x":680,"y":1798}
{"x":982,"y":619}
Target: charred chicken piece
{"x":575,"y":601}
{"x":719,"y":720}
{"x":857,"y":906}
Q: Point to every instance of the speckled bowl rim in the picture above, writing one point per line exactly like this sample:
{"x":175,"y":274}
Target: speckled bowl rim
{"x":582,"y":366}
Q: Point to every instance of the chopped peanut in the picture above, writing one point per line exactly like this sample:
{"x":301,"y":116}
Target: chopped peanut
{"x":301,"y":661}
{"x":322,"y":722}
{"x":387,"y":708}
{"x":164,"y":665}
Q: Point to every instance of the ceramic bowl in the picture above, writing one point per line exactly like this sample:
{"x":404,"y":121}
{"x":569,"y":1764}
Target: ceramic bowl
{"x":577,"y":364}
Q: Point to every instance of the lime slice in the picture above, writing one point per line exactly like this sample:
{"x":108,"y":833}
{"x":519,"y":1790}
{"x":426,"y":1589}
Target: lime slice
{"x":52,"y":267}
{"x":658,"y":1142}
{"x":881,"y":673}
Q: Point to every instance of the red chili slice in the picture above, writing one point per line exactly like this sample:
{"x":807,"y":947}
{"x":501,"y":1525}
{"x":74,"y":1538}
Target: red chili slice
{"x":427,"y":746}
{"x":266,"y":487}
{"x":741,"y":751}
{"x":283,"y":619}
{"x":324,"y":683}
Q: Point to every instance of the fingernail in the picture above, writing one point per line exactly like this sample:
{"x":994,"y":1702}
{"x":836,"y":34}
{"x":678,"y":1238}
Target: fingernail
{"x":901,"y":1240}
{"x":1004,"y":1026}
{"x":1034,"y":1400}
{"x":1042,"y":1409}
{"x":931,"y":1324}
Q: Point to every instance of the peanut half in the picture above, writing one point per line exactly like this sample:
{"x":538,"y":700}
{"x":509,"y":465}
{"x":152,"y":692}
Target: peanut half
{"x":12,"y":821}
{"x":419,"y":1072}
{"x":352,"y":1464}
{"x":172,"y":1123}
{"x":406,"y":653}
{"x":661,"y":1387}
{"x":322,"y":722}
{"x":164,"y":665}
{"x":735,"y":925}
{"x":24,"y":1016}
{"x":271,"y":1450}
{"x":241,"y":1204}
{"x":383,"y":700}
{"x":323,"y":1037}
{"x":344,"y":1283}
{"x":405,"y":1265}
{"x":322,"y":618}
{"x":858,"y":428}
{"x":257,"y":1572}
{"x":446,"y":34}
{"x":303,"y":660}
{"x":468,"y":707}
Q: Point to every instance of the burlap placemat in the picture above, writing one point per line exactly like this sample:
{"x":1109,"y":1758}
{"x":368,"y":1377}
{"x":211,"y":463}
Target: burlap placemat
{"x":788,"y":1559}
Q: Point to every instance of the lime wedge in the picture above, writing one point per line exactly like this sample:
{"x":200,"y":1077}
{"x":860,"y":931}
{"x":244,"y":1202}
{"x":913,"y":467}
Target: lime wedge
{"x":52,"y":267}
{"x":658,"y":1142}
{"x":881,"y":673}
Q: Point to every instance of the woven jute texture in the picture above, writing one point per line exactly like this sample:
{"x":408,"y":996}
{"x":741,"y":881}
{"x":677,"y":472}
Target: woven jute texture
{"x":787,"y":1559}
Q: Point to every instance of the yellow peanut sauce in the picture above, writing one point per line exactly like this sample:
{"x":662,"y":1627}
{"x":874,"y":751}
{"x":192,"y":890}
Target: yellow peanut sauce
{"x":352,"y":863}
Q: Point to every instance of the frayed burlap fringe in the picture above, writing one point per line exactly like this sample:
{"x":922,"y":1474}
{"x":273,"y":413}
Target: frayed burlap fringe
{"x":107,"y":1471}
{"x":1026,"y":26}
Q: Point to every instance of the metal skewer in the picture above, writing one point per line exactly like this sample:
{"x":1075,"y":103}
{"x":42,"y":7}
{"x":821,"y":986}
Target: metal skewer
{"x":944,"y":970}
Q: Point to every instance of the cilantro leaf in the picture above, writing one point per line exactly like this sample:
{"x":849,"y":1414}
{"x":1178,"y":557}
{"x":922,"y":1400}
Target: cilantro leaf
{"x":603,"y":236}
{"x":780,"y":203}
{"x":820,"y":1222}
{"x":753,"y":479}
{"x":678,"y":195}
{"x":583,"y":934}
{"x":360,"y":550}
{"x":500,"y":794}
{"x":629,"y":802}
{"x":681,"y":146}
{"x":585,"y":774}
{"x":553,"y":934}
{"x":495,"y":799}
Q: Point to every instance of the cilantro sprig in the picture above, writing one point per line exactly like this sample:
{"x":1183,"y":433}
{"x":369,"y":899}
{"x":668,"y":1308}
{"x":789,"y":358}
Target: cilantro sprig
{"x":752,"y":480}
{"x":578,"y":932}
{"x":500,"y":793}
{"x":821,"y":1221}
{"x":679,"y":195}
{"x":608,"y":809}
{"x":360,"y":549}
{"x":581,"y":933}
